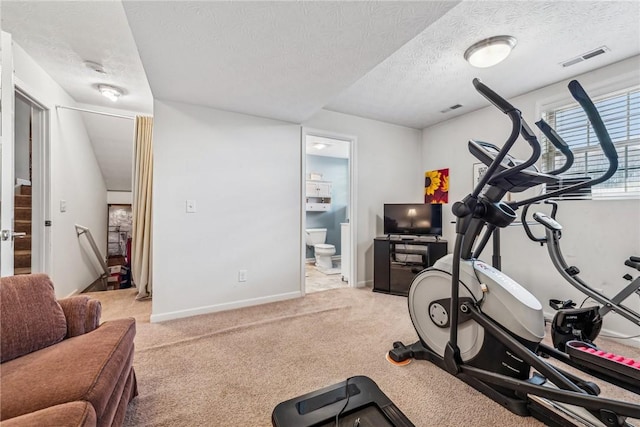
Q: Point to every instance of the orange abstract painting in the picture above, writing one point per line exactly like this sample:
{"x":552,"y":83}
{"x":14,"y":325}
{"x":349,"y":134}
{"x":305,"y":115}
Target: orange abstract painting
{"x":436,"y":186}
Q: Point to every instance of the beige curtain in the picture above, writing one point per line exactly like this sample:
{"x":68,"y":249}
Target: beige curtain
{"x":142,"y":197}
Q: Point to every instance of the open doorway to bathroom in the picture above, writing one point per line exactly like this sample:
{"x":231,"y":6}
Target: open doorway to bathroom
{"x":327,"y":211}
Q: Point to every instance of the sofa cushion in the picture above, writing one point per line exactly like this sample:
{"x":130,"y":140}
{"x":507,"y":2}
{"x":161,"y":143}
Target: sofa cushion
{"x":30,"y":316}
{"x":72,"y":414}
{"x":87,"y":367}
{"x":82,"y":314}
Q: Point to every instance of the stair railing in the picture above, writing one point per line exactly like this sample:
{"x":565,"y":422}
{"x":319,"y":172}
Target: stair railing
{"x":104,"y":277}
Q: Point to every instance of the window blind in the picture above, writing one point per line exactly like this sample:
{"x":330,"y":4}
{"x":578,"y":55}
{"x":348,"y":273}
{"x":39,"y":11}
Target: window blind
{"x":620,"y":113}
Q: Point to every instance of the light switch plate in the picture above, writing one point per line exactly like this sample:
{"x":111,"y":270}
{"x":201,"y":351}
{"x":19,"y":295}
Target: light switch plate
{"x":191,"y":206}
{"x":242,"y":276}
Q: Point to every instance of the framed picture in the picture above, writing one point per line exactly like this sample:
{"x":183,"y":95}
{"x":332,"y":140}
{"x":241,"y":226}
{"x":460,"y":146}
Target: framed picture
{"x":479,"y":169}
{"x":436,"y":186}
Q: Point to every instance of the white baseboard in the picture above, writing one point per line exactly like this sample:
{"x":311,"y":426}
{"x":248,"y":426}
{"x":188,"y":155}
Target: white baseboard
{"x":163,"y":317}
{"x":615,"y":336}
{"x":75,"y":292}
{"x":364,"y":284}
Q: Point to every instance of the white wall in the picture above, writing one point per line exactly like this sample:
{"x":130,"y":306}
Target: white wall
{"x":388,"y":171}
{"x":598,"y":235}
{"x":119,"y":197}
{"x":244,"y":174}
{"x":75,"y":178}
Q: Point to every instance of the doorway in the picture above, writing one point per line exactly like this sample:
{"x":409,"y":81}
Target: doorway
{"x":328,"y":211}
{"x":32,"y":178}
{"x":30,"y":185}
{"x":24,"y":175}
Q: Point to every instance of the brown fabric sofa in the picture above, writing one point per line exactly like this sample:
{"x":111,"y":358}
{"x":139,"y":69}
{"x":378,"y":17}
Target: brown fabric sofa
{"x":59,"y":366}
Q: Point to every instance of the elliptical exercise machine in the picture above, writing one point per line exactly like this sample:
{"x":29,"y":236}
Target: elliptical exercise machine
{"x":573,"y":330}
{"x":480,"y":325}
{"x":581,"y":323}
{"x":590,"y":319}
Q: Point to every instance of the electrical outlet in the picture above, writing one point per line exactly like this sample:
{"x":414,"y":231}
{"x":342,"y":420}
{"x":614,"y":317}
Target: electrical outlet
{"x":242,"y":276}
{"x":63,"y":205}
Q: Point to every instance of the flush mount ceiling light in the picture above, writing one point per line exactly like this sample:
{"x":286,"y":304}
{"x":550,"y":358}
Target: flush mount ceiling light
{"x":319,"y":146}
{"x":491,"y":51}
{"x":110,"y":92}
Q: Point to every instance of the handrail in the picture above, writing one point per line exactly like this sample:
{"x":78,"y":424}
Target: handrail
{"x":80,"y":230}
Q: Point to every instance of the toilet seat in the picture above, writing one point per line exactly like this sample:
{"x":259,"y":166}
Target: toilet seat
{"x":324,"y":246}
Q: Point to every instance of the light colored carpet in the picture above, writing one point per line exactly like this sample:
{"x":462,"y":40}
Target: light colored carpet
{"x":232,"y":368}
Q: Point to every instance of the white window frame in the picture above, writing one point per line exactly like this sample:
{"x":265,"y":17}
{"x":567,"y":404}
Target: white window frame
{"x":604,"y":91}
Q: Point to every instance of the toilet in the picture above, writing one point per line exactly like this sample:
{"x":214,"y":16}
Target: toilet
{"x":315,"y":238}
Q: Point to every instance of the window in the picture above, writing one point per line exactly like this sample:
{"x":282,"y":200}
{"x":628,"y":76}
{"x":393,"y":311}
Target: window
{"x":620,"y":113}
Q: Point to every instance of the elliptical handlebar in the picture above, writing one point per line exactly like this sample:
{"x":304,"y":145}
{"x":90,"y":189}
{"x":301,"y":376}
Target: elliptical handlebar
{"x":604,"y":139}
{"x":526,"y":226}
{"x":501,"y":103}
{"x":527,"y":229}
{"x":599,"y":128}
{"x":633,"y":264}
{"x":559,"y":143}
{"x":519,"y":127}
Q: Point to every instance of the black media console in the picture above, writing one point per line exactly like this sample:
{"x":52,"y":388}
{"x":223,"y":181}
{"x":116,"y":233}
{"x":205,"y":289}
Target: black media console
{"x":397,"y":261}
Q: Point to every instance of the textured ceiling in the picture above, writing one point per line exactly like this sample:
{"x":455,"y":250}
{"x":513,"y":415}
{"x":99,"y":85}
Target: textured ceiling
{"x":60,"y":36}
{"x":429,"y":74}
{"x":283,"y":60}
{"x":398,"y":62}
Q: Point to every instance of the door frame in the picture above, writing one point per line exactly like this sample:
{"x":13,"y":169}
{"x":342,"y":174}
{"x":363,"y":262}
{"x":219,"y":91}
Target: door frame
{"x":7,"y":162}
{"x":352,"y":208}
{"x":41,"y":236}
{"x":40,"y":181}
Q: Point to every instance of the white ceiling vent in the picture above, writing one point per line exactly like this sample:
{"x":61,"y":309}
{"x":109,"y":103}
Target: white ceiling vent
{"x":585,"y":56}
{"x":453,"y":107}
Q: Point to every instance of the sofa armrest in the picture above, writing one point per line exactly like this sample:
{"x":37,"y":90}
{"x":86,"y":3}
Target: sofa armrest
{"x":82,"y":314}
{"x":72,"y":414}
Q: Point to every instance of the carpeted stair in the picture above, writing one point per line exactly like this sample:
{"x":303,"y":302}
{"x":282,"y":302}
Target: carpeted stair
{"x":22,"y":224}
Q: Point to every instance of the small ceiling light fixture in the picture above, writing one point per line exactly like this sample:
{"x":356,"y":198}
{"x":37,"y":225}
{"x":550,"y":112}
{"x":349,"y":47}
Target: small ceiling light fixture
{"x":491,"y":51}
{"x":110,"y":92}
{"x":320,"y":146}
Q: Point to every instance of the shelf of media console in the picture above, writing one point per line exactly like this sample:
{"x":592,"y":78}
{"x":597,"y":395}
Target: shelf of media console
{"x":392,"y":272}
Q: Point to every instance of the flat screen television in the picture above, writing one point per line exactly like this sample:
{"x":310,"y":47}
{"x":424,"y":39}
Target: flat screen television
{"x":413,"y":219}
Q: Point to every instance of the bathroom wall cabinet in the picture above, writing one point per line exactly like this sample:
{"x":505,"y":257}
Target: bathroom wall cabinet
{"x":318,"y":195}
{"x":396,"y":262}
{"x":318,"y":188}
